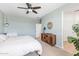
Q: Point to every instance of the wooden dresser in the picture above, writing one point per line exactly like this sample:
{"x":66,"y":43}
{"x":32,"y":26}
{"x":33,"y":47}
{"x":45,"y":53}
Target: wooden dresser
{"x":48,"y":38}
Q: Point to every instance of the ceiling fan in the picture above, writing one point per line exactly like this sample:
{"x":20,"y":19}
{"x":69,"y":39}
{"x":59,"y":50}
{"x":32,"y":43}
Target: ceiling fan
{"x":30,"y":8}
{"x":76,"y":10}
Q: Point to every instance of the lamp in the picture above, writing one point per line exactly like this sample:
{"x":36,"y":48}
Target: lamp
{"x":29,"y":10}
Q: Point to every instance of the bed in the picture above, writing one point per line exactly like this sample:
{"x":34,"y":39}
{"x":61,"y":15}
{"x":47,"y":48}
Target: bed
{"x":19,"y":46}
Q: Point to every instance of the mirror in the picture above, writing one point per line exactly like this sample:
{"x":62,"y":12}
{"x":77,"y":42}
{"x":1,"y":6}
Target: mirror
{"x":49,"y":25}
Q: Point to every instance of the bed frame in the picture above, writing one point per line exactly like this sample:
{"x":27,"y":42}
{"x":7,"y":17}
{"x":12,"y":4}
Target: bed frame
{"x":35,"y":52}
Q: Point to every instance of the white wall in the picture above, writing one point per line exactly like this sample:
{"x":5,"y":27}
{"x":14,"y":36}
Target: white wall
{"x":23,"y":26}
{"x":68,"y":20}
{"x":76,"y":17}
{"x":56,"y":18}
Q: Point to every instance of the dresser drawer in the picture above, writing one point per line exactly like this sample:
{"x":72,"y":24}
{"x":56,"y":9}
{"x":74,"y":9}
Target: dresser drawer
{"x":48,"y":38}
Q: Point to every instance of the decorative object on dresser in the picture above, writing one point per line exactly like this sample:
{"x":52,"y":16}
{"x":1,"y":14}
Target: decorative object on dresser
{"x":49,"y":38}
{"x":44,"y":29}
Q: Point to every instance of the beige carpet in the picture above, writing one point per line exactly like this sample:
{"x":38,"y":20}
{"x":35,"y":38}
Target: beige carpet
{"x":52,"y":51}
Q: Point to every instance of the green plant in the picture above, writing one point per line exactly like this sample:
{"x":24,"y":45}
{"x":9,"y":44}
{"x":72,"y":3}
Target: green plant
{"x":75,"y":40}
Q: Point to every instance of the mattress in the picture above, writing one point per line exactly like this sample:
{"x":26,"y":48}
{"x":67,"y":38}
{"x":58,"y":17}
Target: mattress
{"x":19,"y":46}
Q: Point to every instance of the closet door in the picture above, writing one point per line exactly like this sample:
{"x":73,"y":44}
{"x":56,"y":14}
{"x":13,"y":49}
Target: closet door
{"x":1,"y":23}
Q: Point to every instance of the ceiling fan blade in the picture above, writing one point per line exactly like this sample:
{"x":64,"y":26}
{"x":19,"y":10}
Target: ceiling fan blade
{"x":22,"y":7}
{"x":76,"y":10}
{"x":28,"y":5}
{"x":27,"y":12}
{"x":36,"y":7}
{"x":34,"y":11}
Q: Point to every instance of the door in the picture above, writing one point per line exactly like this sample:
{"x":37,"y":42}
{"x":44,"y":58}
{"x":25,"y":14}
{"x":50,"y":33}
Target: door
{"x":38,"y":30}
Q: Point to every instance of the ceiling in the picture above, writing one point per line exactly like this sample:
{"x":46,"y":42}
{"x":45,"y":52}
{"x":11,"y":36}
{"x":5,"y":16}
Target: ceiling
{"x":11,"y":9}
{"x":72,"y":8}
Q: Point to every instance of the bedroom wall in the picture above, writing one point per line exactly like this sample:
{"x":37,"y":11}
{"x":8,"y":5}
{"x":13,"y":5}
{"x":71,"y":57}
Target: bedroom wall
{"x":56,"y":18}
{"x":68,"y":20}
{"x":1,"y":21}
{"x":23,"y":26}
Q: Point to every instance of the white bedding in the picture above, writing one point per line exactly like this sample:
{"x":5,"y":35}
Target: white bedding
{"x":18,"y":46}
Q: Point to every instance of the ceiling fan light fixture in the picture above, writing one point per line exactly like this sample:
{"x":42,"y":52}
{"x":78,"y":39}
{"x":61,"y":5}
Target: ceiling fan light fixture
{"x":29,"y":10}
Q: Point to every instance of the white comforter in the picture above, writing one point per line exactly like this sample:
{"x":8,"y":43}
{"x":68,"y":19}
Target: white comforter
{"x":18,"y":46}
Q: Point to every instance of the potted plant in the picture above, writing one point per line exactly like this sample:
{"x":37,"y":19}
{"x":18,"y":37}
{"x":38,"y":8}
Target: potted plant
{"x":75,"y":40}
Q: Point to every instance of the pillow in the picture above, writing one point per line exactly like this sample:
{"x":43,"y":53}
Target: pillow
{"x":2,"y":37}
{"x":12,"y":34}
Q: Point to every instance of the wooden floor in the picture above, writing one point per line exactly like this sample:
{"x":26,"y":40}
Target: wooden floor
{"x":69,"y":47}
{"x":52,"y":50}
